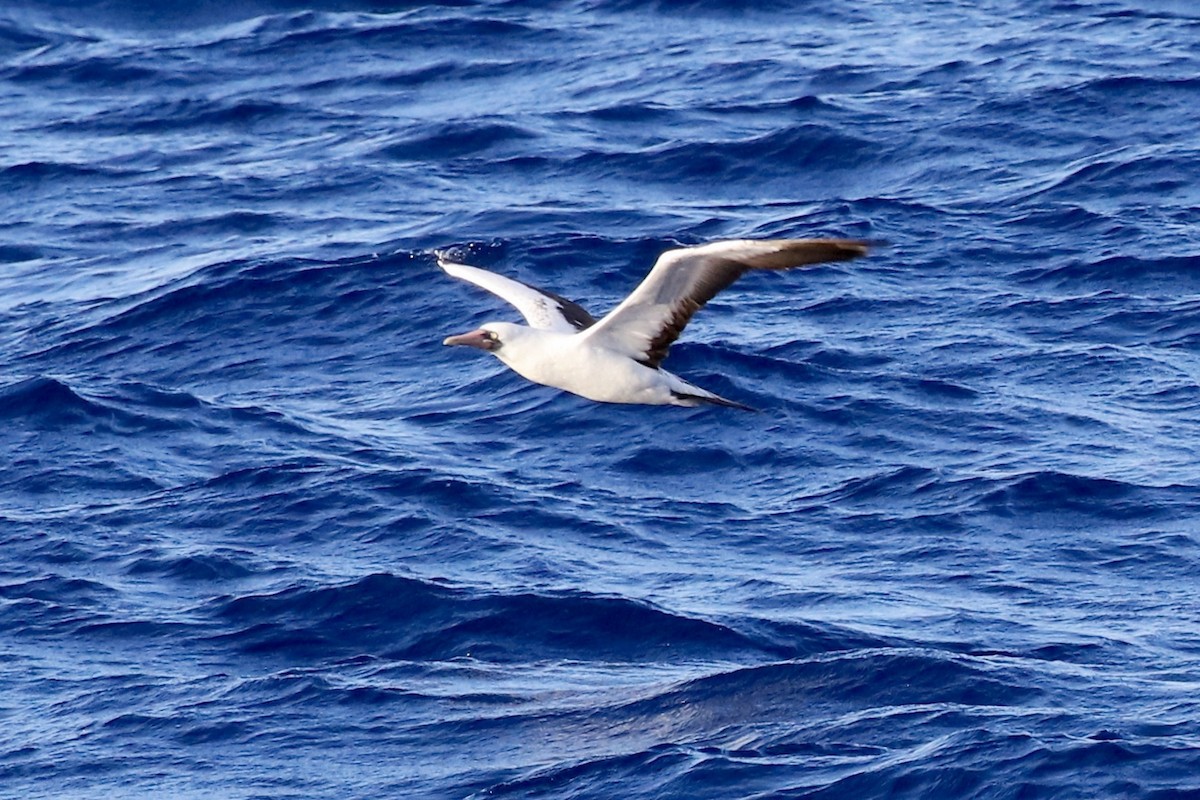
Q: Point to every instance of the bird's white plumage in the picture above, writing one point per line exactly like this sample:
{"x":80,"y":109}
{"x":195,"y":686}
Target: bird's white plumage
{"x":541,"y":311}
{"x":566,"y":362}
{"x":617,"y":359}
{"x":637,"y":321}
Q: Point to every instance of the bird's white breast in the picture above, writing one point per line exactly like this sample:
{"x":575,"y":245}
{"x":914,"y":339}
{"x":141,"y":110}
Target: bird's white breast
{"x":572,"y":363}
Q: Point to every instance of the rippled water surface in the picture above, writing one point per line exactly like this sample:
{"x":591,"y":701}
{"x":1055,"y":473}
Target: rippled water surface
{"x":261,"y":535}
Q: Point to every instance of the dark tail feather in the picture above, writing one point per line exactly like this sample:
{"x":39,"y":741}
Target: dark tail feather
{"x":714,"y":400}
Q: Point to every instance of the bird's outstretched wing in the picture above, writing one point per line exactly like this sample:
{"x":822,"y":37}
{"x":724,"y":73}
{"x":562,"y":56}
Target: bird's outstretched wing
{"x":646,"y":322}
{"x":541,"y":309}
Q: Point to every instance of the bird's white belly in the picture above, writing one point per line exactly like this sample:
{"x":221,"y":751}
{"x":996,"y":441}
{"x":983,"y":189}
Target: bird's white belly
{"x":595,"y":373}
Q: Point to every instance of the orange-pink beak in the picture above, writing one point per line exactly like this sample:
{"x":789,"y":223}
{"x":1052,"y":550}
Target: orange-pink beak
{"x":480,"y":338}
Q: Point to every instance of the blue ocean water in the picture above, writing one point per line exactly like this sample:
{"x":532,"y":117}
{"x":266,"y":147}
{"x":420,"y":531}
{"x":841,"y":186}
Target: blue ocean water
{"x":262,"y":536}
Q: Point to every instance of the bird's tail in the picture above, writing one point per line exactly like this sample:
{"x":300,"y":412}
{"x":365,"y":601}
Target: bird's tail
{"x":717,"y":400}
{"x":686,"y":394}
{"x":688,"y":398}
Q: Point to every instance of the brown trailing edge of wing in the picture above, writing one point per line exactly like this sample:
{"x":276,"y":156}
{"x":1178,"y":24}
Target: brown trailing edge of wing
{"x":719,"y":273}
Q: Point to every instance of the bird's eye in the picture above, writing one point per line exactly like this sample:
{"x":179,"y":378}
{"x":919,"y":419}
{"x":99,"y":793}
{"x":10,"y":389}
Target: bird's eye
{"x":495,"y":337}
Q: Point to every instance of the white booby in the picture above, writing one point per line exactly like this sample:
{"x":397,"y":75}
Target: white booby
{"x":616,"y":359}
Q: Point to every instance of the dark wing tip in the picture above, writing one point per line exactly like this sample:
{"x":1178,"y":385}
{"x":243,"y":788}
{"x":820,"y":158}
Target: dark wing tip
{"x":790,"y":253}
{"x":576,"y":315}
{"x":725,"y":267}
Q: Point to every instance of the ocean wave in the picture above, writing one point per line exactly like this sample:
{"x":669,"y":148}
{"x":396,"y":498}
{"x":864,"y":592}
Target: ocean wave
{"x":18,"y":37}
{"x":17,"y":253}
{"x":804,"y":149}
{"x":50,"y":404}
{"x":1118,"y":271}
{"x":1153,"y":174}
{"x":99,"y":70}
{"x":761,"y":741}
{"x":455,"y":140}
{"x":256,"y":517}
{"x":217,"y":301}
{"x":53,"y":603}
{"x":49,"y":399}
{"x":405,"y":618}
{"x":1051,"y":491}
{"x":178,"y":114}
{"x":671,"y":7}
{"x":209,"y":568}
{"x":861,"y":678}
{"x":39,"y":173}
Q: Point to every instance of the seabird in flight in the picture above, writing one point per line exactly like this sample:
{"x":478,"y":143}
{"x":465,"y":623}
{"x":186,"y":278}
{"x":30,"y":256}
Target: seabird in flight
{"x":618,"y":359}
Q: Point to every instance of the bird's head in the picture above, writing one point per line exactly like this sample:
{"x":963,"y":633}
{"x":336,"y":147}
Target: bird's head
{"x":482,"y":338}
{"x":490,"y":337}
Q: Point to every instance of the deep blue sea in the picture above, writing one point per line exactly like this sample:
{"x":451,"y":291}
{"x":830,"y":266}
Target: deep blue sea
{"x":263,"y":536}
